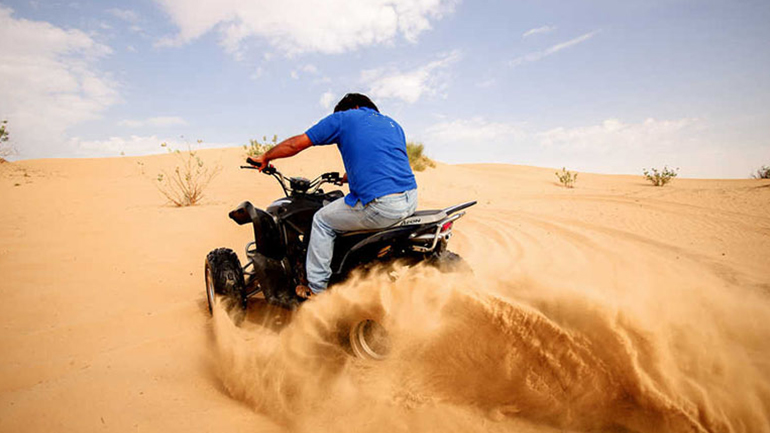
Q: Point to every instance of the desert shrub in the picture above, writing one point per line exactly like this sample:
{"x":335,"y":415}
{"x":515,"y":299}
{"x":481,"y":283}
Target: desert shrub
{"x":417,"y":159}
{"x":762,"y":173}
{"x":255,"y":148}
{"x":5,"y":149}
{"x":660,"y":177}
{"x":184,"y":185}
{"x":566,"y":177}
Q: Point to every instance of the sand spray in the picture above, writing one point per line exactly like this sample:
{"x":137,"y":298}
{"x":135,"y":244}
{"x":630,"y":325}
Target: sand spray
{"x":498,"y":350}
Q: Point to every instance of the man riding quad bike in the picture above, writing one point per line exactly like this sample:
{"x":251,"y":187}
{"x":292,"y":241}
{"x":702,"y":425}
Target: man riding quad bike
{"x":310,"y":238}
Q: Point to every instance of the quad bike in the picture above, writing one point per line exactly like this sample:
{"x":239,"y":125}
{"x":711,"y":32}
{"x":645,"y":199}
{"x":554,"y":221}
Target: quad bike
{"x":276,"y":257}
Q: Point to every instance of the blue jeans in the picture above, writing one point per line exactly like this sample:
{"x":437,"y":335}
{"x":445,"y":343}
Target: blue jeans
{"x":337,"y":217}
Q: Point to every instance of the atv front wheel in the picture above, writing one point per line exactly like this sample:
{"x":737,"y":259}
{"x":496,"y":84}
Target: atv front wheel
{"x":224,"y":277}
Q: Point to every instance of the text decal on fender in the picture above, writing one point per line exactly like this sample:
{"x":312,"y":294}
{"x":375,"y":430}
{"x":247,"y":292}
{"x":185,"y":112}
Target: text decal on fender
{"x":411,"y":221}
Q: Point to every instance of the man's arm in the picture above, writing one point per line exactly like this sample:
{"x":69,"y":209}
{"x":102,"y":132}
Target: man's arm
{"x":286,"y":148}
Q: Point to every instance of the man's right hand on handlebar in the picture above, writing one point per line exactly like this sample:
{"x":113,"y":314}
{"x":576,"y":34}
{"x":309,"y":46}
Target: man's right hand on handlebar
{"x":258,"y":161}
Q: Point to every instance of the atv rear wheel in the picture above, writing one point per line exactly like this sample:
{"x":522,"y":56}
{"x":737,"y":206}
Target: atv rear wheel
{"x":369,"y":340}
{"x":224,"y":277}
{"x":447,"y":261}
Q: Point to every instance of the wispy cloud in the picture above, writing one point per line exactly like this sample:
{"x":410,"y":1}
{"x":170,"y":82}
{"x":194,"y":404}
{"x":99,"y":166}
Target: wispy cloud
{"x":133,"y":145}
{"x":538,"y":55}
{"x":538,"y":30}
{"x":161,"y":121}
{"x":124,"y":14}
{"x":409,"y":86}
{"x":307,"y":69}
{"x":612,"y":145}
{"x":327,"y":99}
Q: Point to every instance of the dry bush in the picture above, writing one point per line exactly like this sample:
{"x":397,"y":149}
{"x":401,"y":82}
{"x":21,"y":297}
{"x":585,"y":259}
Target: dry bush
{"x":6,"y":149}
{"x":762,"y":173}
{"x":660,"y":177}
{"x":417,"y":160}
{"x":566,"y":177}
{"x":184,"y":185}
{"x":255,"y":148}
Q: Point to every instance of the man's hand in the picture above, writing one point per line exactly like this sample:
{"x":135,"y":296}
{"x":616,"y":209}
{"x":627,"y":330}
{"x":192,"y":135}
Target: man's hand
{"x":286,"y":148}
{"x":260,"y":161}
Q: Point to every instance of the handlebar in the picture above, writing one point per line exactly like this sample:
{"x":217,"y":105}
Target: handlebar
{"x":255,"y":165}
{"x":331,"y":177}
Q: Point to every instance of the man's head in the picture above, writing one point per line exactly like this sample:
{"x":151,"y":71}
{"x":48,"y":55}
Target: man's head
{"x":355,"y":100}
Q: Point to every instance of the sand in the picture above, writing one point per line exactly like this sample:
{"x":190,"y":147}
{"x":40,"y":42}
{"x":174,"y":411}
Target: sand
{"x":613,"y":306}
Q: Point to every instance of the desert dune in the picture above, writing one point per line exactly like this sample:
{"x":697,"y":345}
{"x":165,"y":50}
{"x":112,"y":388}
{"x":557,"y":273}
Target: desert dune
{"x":613,"y":306}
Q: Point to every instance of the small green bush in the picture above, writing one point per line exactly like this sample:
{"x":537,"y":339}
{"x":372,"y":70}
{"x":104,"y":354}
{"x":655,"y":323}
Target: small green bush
{"x":417,"y":160}
{"x":660,"y":177}
{"x":185,"y":184}
{"x":566,"y":177}
{"x":255,"y":148}
{"x":762,"y":173}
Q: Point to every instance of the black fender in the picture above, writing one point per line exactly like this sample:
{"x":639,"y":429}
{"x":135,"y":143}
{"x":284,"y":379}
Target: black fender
{"x":377,"y":239}
{"x":267,"y":235}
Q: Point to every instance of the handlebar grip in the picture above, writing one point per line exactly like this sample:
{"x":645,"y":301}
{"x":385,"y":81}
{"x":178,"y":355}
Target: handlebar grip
{"x":254,"y":164}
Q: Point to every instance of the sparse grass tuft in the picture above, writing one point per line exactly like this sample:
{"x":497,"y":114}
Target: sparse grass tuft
{"x":417,"y":160}
{"x":255,"y":148}
{"x":566,"y":177}
{"x":184,"y":185}
{"x":762,"y":173}
{"x":662,"y":177}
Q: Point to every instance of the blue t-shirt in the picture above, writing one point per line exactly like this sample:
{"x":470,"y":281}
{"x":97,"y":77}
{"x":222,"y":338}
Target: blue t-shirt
{"x":373,"y":148}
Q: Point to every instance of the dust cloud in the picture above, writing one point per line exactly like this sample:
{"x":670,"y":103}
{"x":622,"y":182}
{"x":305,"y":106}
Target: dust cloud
{"x":498,"y":351}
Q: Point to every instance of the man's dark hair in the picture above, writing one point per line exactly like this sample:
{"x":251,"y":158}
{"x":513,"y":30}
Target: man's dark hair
{"x":353,"y":100}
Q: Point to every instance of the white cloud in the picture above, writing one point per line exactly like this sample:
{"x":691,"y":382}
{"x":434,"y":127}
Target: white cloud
{"x":257,"y":73}
{"x":49,"y":82}
{"x":132,"y":146}
{"x":161,"y":121}
{"x":297,"y":26}
{"x":486,"y":83}
{"x":114,"y":146}
{"x":538,"y":30}
{"x":410,"y":86}
{"x":610,"y":146}
{"x":308,"y":69}
{"x":538,"y":55}
{"x":613,"y":134}
{"x":124,"y":14}
{"x":327,"y":99}
{"x":473,"y":132}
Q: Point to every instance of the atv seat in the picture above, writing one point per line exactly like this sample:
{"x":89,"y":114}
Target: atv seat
{"x":417,"y":218}
{"x":422,"y":217}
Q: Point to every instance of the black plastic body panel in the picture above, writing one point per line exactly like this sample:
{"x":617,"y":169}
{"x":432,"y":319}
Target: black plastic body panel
{"x":267,"y":236}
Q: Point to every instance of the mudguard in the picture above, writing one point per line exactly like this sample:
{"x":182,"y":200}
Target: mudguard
{"x":266,"y":233}
{"x":373,"y":240}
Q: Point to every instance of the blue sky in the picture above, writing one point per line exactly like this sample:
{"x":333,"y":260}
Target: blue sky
{"x":601,"y":86}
